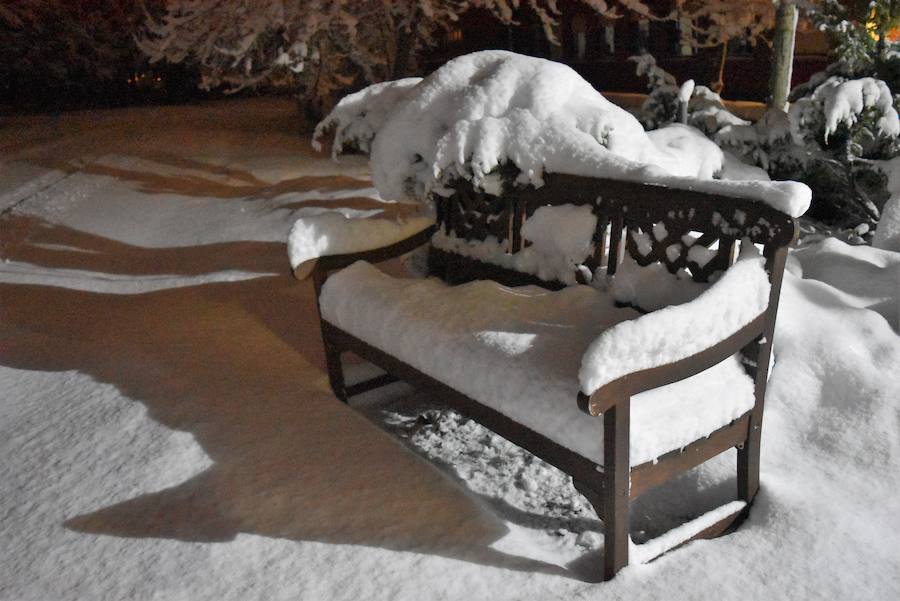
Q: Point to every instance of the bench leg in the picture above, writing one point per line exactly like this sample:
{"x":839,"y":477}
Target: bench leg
{"x":332,"y":352}
{"x":335,"y":371}
{"x":613,"y":504}
{"x":616,"y":496}
{"x":748,"y":464}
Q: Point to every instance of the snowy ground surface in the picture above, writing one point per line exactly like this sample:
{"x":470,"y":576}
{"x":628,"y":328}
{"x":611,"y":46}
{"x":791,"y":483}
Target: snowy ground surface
{"x":167,"y":431}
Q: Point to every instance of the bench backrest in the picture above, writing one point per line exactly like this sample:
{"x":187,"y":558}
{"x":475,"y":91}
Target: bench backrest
{"x":693,"y":232}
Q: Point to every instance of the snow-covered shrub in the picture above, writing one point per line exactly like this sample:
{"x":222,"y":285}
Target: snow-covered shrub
{"x":317,"y":48}
{"x":838,"y":137}
{"x":708,"y":113}
{"x":666,"y":100}
{"x":495,"y":118}
{"x":841,"y":130}
{"x":663,"y":103}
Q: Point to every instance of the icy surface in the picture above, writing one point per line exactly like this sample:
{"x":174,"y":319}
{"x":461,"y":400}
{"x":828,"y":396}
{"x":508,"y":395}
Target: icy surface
{"x":183,"y":444}
{"x":482,"y":110}
{"x":333,"y":233}
{"x":518,"y":350}
{"x":679,"y":331}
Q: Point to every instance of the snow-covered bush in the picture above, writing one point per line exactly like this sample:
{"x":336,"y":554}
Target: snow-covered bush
{"x":842,"y":131}
{"x":495,"y":118}
{"x":663,"y":104}
{"x":667,"y":100}
{"x":838,"y":138}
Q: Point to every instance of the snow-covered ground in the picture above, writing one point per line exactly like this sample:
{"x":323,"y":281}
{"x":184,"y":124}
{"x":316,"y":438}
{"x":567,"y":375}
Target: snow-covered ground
{"x":167,"y":430}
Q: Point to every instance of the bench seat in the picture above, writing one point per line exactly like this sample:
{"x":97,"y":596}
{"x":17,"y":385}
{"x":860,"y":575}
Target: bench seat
{"x":518,"y":351}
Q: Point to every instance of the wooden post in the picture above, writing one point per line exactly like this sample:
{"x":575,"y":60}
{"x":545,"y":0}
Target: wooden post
{"x":782,"y":55}
{"x":617,"y":470}
{"x":748,"y":454}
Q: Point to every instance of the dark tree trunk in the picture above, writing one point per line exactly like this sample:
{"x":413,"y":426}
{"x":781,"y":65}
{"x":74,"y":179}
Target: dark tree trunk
{"x":782,"y":55}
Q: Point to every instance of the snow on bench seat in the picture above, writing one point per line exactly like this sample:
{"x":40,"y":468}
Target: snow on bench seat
{"x":518,"y":351}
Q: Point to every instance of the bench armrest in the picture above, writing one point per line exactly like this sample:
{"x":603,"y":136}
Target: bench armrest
{"x":677,"y":342}
{"x":334,"y":262}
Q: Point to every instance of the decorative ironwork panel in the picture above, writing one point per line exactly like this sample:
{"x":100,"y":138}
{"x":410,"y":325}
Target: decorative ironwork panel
{"x":473,"y":215}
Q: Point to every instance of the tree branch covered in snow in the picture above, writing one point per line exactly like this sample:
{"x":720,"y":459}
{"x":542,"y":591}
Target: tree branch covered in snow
{"x":318,"y":46}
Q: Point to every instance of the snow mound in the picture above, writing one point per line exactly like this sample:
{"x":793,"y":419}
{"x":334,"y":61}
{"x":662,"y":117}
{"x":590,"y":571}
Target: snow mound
{"x":678,"y":331}
{"x":486,"y":109}
{"x":333,"y":233}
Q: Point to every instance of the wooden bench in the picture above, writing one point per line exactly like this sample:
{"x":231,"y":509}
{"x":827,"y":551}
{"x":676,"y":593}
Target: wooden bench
{"x":650,"y":224}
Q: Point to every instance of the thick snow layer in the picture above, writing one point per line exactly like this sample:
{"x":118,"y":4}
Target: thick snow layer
{"x":564,"y":230}
{"x":679,"y":331}
{"x":688,"y":146}
{"x":183,"y":444}
{"x":518,"y":350}
{"x":652,"y":287}
{"x":333,"y":233}
{"x":485,"y":109}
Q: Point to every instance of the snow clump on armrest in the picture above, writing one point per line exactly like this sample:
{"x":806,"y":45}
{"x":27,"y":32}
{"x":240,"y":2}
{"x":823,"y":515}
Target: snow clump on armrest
{"x":679,"y":331}
{"x":333,"y":233}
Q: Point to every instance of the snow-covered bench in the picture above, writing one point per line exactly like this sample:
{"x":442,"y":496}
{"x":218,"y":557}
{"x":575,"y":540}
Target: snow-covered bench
{"x":641,"y":372}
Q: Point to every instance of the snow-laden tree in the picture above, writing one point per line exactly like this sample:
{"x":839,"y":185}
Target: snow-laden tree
{"x":315,"y":46}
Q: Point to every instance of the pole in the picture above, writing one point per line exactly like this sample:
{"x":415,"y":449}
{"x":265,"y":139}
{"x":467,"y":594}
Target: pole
{"x":782,"y":55}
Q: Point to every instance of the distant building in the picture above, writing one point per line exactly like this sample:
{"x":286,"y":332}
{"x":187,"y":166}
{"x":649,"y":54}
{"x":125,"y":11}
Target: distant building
{"x":598,"y":49}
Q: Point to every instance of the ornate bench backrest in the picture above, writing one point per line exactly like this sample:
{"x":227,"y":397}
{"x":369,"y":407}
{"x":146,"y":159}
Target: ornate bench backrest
{"x":692,"y":232}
